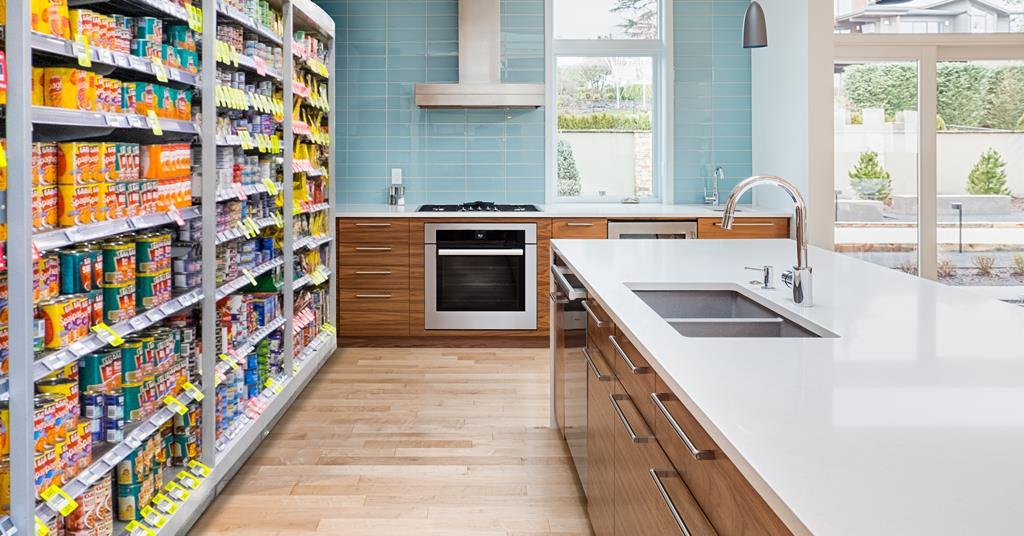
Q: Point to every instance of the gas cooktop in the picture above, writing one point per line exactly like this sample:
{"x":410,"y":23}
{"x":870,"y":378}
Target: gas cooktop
{"x":479,"y":206}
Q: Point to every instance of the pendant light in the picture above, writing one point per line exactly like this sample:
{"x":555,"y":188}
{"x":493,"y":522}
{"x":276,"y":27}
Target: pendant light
{"x":755,"y":32}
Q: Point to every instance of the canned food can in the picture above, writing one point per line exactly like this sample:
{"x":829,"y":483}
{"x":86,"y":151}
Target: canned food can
{"x":118,"y":263}
{"x":94,"y":515}
{"x":93,"y":403}
{"x":134,"y":401}
{"x":113,"y":430}
{"x":5,"y":484}
{"x":118,"y":303}
{"x":58,"y":316}
{"x":113,"y":406}
{"x":128,"y":471}
{"x":5,"y":429}
{"x":128,"y":502}
{"x":100,"y":371}
{"x":131,"y":361}
{"x":45,"y":467}
{"x":38,"y":334}
{"x":96,"y":307}
{"x":75,"y":271}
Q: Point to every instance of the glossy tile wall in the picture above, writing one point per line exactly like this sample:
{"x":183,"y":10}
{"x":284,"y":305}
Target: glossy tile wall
{"x":712,"y":100}
{"x":447,"y":156}
{"x":387,"y":46}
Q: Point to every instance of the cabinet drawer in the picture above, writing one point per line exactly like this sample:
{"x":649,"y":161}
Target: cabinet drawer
{"x":650,"y":498}
{"x":744,"y":228}
{"x":579,"y":228}
{"x":374,"y":300}
{"x":373,"y":254}
{"x":372,"y":324}
{"x":373,"y":230}
{"x":729,"y":501}
{"x":599,"y":328}
{"x":635,"y":375}
{"x":371,"y":277}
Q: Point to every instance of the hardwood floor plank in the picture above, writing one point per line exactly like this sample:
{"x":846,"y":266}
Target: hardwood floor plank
{"x":397,"y":441}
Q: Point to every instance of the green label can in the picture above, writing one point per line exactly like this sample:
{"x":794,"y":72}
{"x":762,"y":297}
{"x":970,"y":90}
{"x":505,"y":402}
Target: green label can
{"x":118,"y":303}
{"x":131,"y":361}
{"x":75,"y":271}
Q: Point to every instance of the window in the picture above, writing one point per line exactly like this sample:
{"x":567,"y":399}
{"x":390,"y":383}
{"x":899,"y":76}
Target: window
{"x":929,"y":16}
{"x":607,"y":111}
{"x":929,"y":140}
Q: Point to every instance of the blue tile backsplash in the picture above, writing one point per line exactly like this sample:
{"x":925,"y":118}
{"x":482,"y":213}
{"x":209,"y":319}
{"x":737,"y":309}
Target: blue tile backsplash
{"x":385,"y":47}
{"x":447,"y":156}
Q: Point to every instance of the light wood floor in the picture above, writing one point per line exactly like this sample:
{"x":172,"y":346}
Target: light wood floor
{"x":411,"y":442}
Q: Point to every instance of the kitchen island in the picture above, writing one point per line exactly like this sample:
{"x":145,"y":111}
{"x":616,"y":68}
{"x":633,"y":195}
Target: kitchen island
{"x":905,"y":417}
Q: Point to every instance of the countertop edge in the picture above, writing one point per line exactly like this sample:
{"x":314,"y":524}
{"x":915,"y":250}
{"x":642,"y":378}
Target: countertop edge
{"x":612,"y":210}
{"x":778,"y":506}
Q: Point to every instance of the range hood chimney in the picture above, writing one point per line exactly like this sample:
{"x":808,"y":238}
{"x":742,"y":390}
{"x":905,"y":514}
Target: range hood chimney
{"x":479,"y":83}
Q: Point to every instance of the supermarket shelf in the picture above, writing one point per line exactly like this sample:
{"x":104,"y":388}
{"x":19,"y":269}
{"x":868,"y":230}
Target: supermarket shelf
{"x":308,"y":279}
{"x":106,"y":463}
{"x":236,"y":232}
{"x":249,"y":23}
{"x":239,"y":352}
{"x":311,"y":242}
{"x":54,"y":361}
{"x":283,"y":380}
{"x":47,"y":115}
{"x":59,"y":238}
{"x":247,"y":438}
{"x":156,"y":8}
{"x":227,"y":194}
{"x":63,"y":47}
{"x":237,"y":284}
{"x":311,"y":208}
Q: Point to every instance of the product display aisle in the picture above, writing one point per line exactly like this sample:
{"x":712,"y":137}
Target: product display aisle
{"x":169,"y":250}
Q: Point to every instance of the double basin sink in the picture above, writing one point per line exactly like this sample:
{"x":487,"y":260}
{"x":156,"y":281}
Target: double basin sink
{"x":724,"y":313}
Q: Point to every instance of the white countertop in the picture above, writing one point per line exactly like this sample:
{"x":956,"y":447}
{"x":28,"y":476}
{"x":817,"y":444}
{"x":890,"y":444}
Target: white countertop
{"x":911,"y":422}
{"x":568,"y":210}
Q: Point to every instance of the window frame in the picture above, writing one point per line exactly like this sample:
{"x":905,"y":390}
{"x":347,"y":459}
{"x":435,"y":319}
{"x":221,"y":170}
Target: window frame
{"x":660,"y":52}
{"x":928,"y":50}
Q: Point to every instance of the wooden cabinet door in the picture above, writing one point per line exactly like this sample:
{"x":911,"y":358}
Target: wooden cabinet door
{"x":650,"y":498}
{"x":709,"y":228}
{"x":579,"y":228}
{"x":600,"y":484}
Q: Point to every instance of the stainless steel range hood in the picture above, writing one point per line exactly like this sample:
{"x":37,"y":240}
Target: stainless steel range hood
{"x":480,"y":84}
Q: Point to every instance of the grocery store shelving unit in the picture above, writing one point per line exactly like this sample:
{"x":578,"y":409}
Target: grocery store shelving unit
{"x":26,"y":123}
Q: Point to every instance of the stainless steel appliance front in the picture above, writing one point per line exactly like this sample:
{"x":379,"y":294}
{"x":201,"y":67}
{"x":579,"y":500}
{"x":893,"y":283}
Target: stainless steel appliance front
{"x":661,"y":230}
{"x":480,"y":276}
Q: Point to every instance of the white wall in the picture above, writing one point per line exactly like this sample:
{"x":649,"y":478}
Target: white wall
{"x":792,"y":86}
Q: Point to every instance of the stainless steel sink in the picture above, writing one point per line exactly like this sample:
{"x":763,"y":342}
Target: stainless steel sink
{"x":723,"y":313}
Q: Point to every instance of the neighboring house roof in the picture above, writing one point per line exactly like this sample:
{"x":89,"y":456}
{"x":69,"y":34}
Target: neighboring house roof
{"x":924,"y":8}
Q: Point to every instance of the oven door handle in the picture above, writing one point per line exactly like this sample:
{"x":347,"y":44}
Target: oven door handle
{"x":480,"y":253}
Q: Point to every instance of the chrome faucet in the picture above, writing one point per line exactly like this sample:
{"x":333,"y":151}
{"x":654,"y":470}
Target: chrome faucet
{"x":713,"y":198}
{"x":800,"y":278}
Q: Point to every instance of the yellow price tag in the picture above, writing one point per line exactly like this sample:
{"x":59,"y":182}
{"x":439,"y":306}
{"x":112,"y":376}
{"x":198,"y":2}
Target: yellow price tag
{"x":234,"y":57}
{"x":188,"y":480}
{"x":164,"y":504}
{"x":195,"y":19}
{"x":271,"y":187}
{"x":3,"y":156}
{"x":108,"y":335}
{"x":154,"y":518}
{"x":252,"y":225}
{"x":329,"y":328}
{"x":41,"y":528}
{"x":175,"y":405}
{"x":226,"y":358}
{"x":159,"y":70}
{"x":59,"y":500}
{"x":176,"y":492}
{"x":199,"y":469}
{"x":193,"y":392}
{"x":296,"y":368}
{"x":154,"y":123}
{"x":248,"y":275}
{"x":84,"y":52}
{"x":138,"y":529}
{"x":278,"y":220}
{"x":274,"y":386}
{"x":277,"y":145}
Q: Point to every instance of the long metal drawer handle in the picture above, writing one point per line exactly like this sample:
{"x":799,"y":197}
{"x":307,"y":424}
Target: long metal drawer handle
{"x":597,"y":321}
{"x":373,"y":225}
{"x":694,"y":451}
{"x":593,"y":367}
{"x":382,"y":272}
{"x":374,"y":296}
{"x":559,"y":300}
{"x":579,"y":224}
{"x":738,"y":224}
{"x":480,"y":252}
{"x":625,"y":422}
{"x":656,"y":474}
{"x":372,"y":249}
{"x":629,"y":362}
